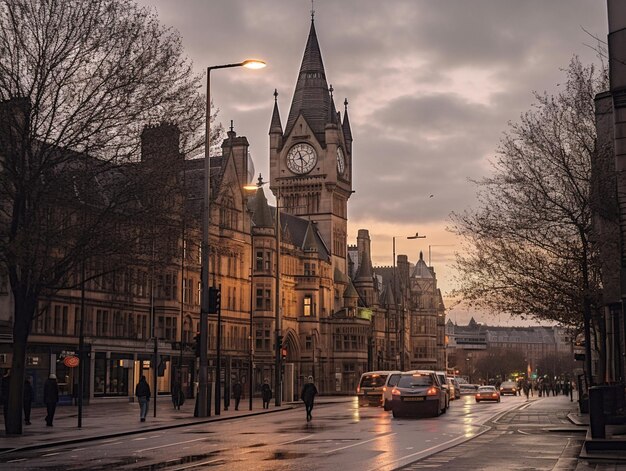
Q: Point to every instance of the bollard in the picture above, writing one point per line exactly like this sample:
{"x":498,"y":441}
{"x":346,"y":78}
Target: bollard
{"x":597,"y":420}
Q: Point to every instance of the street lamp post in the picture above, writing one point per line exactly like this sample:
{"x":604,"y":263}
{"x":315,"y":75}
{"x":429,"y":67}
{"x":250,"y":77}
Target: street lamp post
{"x":400,"y":332}
{"x":204,"y":308}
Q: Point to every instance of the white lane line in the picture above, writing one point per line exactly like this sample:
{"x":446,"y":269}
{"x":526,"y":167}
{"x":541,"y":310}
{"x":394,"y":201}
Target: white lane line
{"x":51,"y":454}
{"x":360,"y":443}
{"x":114,"y":443}
{"x":17,"y":460}
{"x":523,"y":433}
{"x":195,"y":465}
{"x":140,"y":438}
{"x":423,"y":452}
{"x":78,"y":449}
{"x":296,"y":440}
{"x":170,"y":444}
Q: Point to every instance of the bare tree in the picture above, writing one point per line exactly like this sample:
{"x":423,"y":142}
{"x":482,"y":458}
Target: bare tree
{"x":79,"y":80}
{"x":528,"y":250}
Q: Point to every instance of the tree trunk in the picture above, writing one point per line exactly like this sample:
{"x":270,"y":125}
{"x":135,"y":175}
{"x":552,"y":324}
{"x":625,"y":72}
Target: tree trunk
{"x":24,"y":311}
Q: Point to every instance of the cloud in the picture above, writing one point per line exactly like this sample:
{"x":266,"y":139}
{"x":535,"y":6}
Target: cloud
{"x":431,"y":84}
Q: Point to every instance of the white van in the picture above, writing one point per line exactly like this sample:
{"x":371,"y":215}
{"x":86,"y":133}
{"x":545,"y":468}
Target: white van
{"x":371,"y":387}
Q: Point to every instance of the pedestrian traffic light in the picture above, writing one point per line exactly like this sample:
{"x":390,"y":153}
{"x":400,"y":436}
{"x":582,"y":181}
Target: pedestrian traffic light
{"x":215,"y":300}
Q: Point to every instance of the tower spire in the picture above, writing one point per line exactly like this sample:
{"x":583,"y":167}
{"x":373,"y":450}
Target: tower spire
{"x":311,"y":98}
{"x":312,"y":11}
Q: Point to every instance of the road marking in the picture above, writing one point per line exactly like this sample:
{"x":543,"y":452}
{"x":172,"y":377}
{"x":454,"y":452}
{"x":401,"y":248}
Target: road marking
{"x":195,"y":465}
{"x":296,"y":440}
{"x":51,"y":454}
{"x":17,"y":460}
{"x":114,"y":443}
{"x":140,"y":438}
{"x":170,"y":444}
{"x":78,"y":449}
{"x":523,"y":433}
{"x":360,"y":443}
{"x":441,"y":445}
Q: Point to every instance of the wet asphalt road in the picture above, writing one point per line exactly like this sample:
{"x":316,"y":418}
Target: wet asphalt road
{"x":341,"y":437}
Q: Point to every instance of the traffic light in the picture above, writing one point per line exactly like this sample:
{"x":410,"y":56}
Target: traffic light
{"x":196,"y":339}
{"x":215,"y":300}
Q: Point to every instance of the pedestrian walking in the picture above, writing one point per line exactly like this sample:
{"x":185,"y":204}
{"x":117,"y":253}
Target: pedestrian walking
{"x":266,"y":393}
{"x":51,"y":397}
{"x":526,"y":390}
{"x":28,"y":400}
{"x":142,"y":391}
{"x":308,"y":397}
{"x":237,"y":390}
{"x":178,"y":398}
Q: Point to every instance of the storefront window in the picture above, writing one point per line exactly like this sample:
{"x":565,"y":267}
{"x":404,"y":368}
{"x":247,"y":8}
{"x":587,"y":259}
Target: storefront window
{"x":111,"y":374}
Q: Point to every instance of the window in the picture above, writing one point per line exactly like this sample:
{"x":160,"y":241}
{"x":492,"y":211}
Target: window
{"x":263,"y":260}
{"x":308,"y":306}
{"x":4,"y":282}
{"x":263,"y":299}
{"x":263,"y":338}
{"x":309,"y":269}
{"x":102,"y":323}
{"x":308,"y":342}
{"x":187,"y":290}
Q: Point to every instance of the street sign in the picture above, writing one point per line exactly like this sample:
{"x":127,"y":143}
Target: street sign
{"x":71,"y":361}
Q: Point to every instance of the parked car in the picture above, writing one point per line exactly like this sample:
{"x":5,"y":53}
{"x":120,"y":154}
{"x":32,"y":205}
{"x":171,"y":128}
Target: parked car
{"x":508,"y":387}
{"x":370,"y":388}
{"x":487,"y":393}
{"x":457,"y":388}
{"x":418,"y":394}
{"x":443,"y":379}
{"x":392,"y":380}
{"x":454,"y":392}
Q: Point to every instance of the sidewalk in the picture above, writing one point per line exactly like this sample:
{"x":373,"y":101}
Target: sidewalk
{"x":102,"y":420}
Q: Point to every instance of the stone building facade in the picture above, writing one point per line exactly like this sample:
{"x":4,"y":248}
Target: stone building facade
{"x":340,"y":316}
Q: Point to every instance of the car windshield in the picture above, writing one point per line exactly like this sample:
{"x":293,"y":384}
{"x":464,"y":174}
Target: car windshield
{"x":373,"y":381}
{"x":486,"y":388}
{"x":415,"y":381}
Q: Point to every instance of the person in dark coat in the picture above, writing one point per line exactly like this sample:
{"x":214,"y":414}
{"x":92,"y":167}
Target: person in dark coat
{"x":266,"y":394}
{"x":51,"y":397}
{"x":142,"y":391}
{"x":237,"y":390}
{"x":28,"y":400}
{"x":308,"y":397}
{"x":177,"y":394}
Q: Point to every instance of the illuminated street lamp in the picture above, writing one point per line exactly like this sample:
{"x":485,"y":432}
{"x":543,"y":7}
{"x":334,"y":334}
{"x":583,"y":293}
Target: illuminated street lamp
{"x":204,"y":307}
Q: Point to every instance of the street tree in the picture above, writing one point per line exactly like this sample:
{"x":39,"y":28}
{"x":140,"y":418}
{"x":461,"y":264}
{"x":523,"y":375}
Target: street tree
{"x":79,"y":80}
{"x":499,"y":364}
{"x":527,"y":246}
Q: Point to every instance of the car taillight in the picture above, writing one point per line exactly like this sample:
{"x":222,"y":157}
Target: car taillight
{"x":513,"y":389}
{"x":384,"y":388}
{"x":395,"y":392}
{"x":495,"y":394}
{"x":358,"y":389}
{"x":431,"y":392}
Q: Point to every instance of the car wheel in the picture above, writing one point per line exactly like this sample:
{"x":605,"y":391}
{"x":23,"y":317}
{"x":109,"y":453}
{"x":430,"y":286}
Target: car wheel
{"x":386,"y":405}
{"x":498,"y":400}
{"x":477,"y":401}
{"x":395,"y":414}
{"x":444,"y":410}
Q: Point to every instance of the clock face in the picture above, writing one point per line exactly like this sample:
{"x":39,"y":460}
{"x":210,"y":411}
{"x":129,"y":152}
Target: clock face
{"x":301,"y":158}
{"x":341,"y":161}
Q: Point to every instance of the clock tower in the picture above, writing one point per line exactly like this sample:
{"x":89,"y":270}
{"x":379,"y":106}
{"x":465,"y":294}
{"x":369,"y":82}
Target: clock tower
{"x":311,"y":159}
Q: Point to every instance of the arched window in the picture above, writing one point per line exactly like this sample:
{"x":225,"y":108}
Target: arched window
{"x":188,"y":332}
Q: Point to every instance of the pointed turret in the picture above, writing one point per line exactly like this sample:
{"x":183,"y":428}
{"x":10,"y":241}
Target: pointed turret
{"x":275,"y":125}
{"x":261,"y":213}
{"x":332,"y":118}
{"x":311,"y":98}
{"x":347,"y":132}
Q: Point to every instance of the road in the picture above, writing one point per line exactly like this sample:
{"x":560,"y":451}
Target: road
{"x":341,"y":436}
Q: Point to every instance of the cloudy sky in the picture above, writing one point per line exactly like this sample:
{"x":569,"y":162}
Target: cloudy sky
{"x":431,"y":86}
